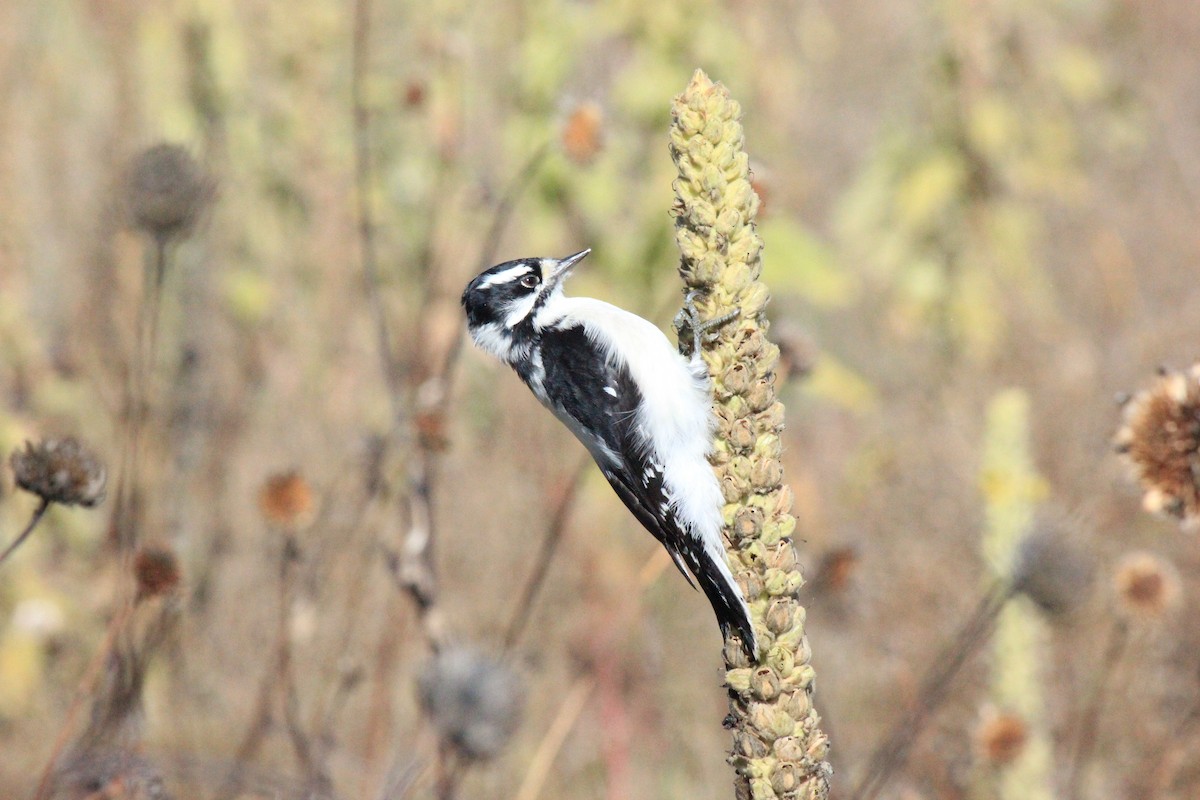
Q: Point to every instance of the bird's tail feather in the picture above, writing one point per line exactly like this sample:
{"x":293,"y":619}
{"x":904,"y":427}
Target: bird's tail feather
{"x":718,"y":584}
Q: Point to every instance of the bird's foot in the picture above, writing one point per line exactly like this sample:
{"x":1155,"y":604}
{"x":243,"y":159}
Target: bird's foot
{"x":688,"y":318}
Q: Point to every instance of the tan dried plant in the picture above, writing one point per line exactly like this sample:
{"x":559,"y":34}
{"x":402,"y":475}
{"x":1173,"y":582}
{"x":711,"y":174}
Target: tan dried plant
{"x":779,"y":749}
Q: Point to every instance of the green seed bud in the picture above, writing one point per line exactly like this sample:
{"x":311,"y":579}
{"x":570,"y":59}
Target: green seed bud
{"x":731,"y":489}
{"x":799,"y":705}
{"x":760,"y":395}
{"x":782,"y":659}
{"x":747,"y":522}
{"x":786,"y":777}
{"x":748,"y":745}
{"x":779,"y":614}
{"x":764,"y":683}
{"x":736,"y":379}
{"x":805,"y":678}
{"x":789,"y":748}
{"x":772,"y":418}
{"x":782,"y":556}
{"x":766,"y":474}
{"x":750,"y":582}
{"x":775,"y":582}
{"x":741,"y":435}
{"x":818,"y":747}
{"x":735,"y":655}
{"x":738,"y":680}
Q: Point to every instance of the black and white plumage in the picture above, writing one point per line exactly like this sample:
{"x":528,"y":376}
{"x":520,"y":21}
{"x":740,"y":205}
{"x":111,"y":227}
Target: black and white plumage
{"x":642,"y":410}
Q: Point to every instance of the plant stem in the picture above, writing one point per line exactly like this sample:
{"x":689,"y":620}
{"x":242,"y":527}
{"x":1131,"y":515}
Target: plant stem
{"x":38,"y":513}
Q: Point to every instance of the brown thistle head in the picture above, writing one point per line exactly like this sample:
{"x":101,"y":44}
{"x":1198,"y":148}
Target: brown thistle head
{"x":1160,"y":440}
{"x":166,"y":192}
{"x":60,"y":471}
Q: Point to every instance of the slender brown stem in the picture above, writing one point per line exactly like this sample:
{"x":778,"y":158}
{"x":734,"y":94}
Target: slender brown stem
{"x":38,"y":513}
{"x":278,"y":678}
{"x":491,"y":240}
{"x":85,"y":689}
{"x":1086,"y":743}
{"x":126,"y":512}
{"x":363,"y":179}
{"x":519,"y":619}
{"x":450,"y":769}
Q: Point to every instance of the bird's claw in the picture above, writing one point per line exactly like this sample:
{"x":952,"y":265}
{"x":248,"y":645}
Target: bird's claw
{"x":688,"y":318}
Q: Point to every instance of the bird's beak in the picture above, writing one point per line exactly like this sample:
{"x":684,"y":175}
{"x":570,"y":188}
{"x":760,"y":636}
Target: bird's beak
{"x":562,"y":268}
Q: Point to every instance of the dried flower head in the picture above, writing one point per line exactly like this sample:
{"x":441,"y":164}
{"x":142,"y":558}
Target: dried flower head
{"x":414,"y":94}
{"x":1050,"y":570}
{"x":1001,"y":737}
{"x":166,"y":191}
{"x":721,"y":262}
{"x":583,"y":133}
{"x":474,"y":700}
{"x":60,"y":471}
{"x":106,"y":775}
{"x":1147,"y":587}
{"x":760,"y":182}
{"x":797,"y":352}
{"x":1160,"y":439}
{"x":836,"y":569}
{"x":156,"y":570}
{"x":286,"y":499}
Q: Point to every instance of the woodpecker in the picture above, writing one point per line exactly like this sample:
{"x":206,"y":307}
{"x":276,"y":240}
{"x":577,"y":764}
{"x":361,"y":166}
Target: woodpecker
{"x":642,"y":410}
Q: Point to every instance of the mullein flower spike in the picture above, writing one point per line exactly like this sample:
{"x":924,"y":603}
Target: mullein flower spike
{"x":779,"y":749}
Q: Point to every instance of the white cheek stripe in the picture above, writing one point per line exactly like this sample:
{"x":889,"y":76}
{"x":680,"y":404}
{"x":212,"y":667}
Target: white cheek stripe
{"x":504,"y":276}
{"x":519,"y":310}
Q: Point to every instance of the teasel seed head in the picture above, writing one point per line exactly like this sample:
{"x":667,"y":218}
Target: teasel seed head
{"x":166,"y":192}
{"x":1051,"y":570}
{"x":1159,"y":438}
{"x":286,"y":499}
{"x":474,"y":700}
{"x":582,"y":136}
{"x":1000,"y":737}
{"x":60,"y":471}
{"x":1146,"y":586}
{"x":156,"y":570}
{"x":107,"y":775}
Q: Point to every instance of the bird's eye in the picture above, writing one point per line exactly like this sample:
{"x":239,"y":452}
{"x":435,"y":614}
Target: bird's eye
{"x":529,"y":281}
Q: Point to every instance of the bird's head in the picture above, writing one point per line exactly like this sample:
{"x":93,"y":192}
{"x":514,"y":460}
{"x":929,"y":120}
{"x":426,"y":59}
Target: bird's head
{"x":507,"y":297}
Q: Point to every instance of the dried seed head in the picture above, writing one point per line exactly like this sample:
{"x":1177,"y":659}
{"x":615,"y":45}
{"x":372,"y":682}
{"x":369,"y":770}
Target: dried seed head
{"x":1050,"y":570}
{"x":583,"y":133}
{"x":286,"y":499}
{"x":108,"y":775}
{"x":797,"y":352}
{"x":1000,"y":738}
{"x":60,"y":471}
{"x":785,"y":778}
{"x":836,"y":570}
{"x":760,"y":182}
{"x":1147,"y":587}
{"x":156,"y":570}
{"x":414,"y":94}
{"x":1160,"y":439}
{"x":166,"y":191}
{"x":473,"y":699}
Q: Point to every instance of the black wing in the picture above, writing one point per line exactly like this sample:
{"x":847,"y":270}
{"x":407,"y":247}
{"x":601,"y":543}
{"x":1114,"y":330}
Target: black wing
{"x":598,"y":401}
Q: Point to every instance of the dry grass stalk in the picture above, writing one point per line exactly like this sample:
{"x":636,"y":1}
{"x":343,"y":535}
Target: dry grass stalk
{"x":779,"y":748}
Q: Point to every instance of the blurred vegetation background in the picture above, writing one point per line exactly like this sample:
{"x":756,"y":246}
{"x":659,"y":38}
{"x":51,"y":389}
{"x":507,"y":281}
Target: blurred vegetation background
{"x":981,"y":225}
